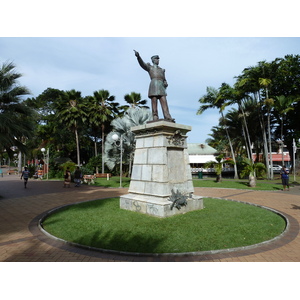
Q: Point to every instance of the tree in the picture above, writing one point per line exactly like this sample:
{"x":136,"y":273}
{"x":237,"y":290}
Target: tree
{"x":102,"y":110}
{"x":122,"y":126}
{"x":214,"y":99}
{"x":282,"y":106}
{"x":134,"y":100}
{"x":255,"y":80}
{"x":218,"y":165}
{"x":251,"y":169}
{"x":15,"y":123}
{"x":72,"y":113}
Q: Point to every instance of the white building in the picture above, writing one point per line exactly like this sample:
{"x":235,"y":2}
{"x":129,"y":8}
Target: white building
{"x":199,"y":154}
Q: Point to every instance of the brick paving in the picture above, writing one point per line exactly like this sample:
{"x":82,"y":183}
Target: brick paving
{"x":22,"y":241}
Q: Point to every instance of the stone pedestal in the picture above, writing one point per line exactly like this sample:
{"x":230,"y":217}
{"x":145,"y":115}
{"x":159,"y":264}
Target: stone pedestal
{"x":161,"y":182}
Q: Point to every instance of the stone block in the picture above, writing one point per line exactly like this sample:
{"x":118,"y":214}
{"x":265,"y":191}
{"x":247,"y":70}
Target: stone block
{"x":140,"y":156}
{"x":146,"y":173}
{"x":136,"y":173}
{"x":139,"y":143}
{"x":160,"y":173}
{"x":137,"y":186}
{"x":157,"y":156}
{"x":148,"y":142}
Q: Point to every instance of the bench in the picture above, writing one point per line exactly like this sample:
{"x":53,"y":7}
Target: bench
{"x":9,"y":172}
{"x":102,"y":175}
{"x":88,"y":179}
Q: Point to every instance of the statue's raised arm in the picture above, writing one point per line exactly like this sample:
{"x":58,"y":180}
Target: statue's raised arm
{"x":141,"y":62}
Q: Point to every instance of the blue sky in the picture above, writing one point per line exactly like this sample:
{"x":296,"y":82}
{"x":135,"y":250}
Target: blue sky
{"x":192,"y":63}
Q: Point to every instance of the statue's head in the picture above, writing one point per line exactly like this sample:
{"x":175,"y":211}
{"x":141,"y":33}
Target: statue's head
{"x":154,"y":57}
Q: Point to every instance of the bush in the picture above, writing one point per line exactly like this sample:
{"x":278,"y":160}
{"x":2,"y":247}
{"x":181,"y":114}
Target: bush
{"x":93,"y":163}
{"x":87,"y":170}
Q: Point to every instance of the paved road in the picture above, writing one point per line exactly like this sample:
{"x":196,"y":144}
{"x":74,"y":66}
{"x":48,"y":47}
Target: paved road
{"x":22,"y":241}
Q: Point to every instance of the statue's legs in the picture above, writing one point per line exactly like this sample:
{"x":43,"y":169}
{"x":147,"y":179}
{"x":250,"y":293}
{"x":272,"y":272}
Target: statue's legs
{"x":165,"y":108}
{"x":154,"y":108}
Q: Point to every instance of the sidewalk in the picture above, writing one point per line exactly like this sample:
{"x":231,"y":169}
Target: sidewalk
{"x":22,"y":241}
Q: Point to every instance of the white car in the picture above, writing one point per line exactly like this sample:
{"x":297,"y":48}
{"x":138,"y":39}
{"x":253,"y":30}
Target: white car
{"x":277,"y":168}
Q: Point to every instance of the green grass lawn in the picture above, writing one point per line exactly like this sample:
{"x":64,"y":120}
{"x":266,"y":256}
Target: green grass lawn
{"x":239,"y":184}
{"x":267,"y":185}
{"x":114,"y":181}
{"x":222,"y":224}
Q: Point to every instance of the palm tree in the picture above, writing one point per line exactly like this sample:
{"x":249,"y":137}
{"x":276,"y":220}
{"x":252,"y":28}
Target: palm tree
{"x":282,"y":106}
{"x":102,"y":110}
{"x":134,"y":100}
{"x":218,"y":165}
{"x":122,"y":126}
{"x":15,"y":122}
{"x":256,"y":80}
{"x":251,"y":169}
{"x":72,"y":112}
{"x":213,"y":99}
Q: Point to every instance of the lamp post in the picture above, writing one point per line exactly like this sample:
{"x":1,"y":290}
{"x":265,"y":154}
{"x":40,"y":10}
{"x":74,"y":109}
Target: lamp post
{"x":46,"y":160}
{"x":294,"y":158}
{"x":281,"y":146}
{"x":116,"y":137}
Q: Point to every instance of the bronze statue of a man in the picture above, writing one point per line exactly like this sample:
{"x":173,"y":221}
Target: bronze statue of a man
{"x":157,"y":88}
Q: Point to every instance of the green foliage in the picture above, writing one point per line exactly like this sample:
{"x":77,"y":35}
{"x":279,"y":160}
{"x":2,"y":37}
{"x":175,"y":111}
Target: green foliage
{"x":252,"y":169}
{"x":94,"y":162}
{"x":122,"y":127}
{"x":87,"y":170}
{"x":56,"y":173}
{"x":69,"y":164}
{"x":218,"y":165}
{"x":16,"y":122}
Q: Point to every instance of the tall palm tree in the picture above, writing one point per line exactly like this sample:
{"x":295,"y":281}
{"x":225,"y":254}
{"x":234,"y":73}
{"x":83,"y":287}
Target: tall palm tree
{"x":213,"y":99}
{"x":135,"y":100}
{"x":72,"y":112}
{"x":102,"y":110}
{"x":15,"y":121}
{"x":253,"y":81}
{"x":282,"y":105}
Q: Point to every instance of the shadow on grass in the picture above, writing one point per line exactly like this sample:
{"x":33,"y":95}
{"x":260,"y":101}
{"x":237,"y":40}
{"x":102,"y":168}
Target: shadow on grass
{"x":120,"y":241}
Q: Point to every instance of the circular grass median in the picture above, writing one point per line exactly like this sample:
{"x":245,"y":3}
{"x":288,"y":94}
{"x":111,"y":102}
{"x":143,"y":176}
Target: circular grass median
{"x":221,"y":224}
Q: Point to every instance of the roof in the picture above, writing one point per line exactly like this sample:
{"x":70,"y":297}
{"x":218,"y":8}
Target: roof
{"x":276,"y":156}
{"x":200,"y":149}
{"x":201,"y":159}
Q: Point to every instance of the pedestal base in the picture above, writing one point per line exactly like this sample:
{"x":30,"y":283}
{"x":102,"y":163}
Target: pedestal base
{"x":158,"y":207}
{"x":161,"y":181}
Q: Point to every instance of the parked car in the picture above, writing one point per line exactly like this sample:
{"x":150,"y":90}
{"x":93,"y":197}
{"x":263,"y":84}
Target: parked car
{"x":277,"y":168}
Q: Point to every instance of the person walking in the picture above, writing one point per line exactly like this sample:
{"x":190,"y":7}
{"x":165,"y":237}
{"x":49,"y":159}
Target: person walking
{"x":285,"y":178}
{"x":25,"y":174}
{"x":77,"y":177}
{"x":67,"y":178}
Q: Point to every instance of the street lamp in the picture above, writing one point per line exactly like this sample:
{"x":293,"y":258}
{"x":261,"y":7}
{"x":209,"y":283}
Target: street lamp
{"x":281,"y":146}
{"x":116,"y":137}
{"x":46,"y":159}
